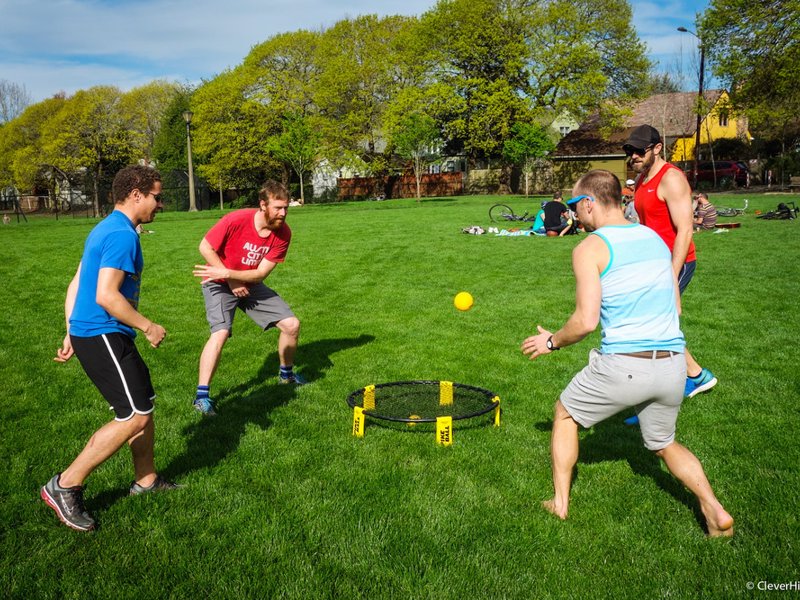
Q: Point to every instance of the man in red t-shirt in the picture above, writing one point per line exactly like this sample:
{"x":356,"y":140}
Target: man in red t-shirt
{"x":663,"y":201}
{"x":241,"y":250}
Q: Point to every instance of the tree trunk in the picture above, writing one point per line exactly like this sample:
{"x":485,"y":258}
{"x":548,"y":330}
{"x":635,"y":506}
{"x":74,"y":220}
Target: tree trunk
{"x":418,"y":176}
{"x":302,"y":196}
{"x":504,"y":180}
{"x":96,"y":186}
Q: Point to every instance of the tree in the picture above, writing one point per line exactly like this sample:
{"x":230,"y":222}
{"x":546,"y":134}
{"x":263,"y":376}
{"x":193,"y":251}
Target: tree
{"x":169,"y":148}
{"x":755,"y":49}
{"x":22,"y":141}
{"x":529,"y":143}
{"x":14,"y":99}
{"x":297,"y":145}
{"x":363,"y":63}
{"x":90,"y":133}
{"x":662,"y":83}
{"x":510,"y":61}
{"x":415,"y":136}
{"x":230,"y":130}
{"x":143,"y":108}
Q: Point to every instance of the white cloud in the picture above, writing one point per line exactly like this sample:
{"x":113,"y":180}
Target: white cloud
{"x":55,"y":45}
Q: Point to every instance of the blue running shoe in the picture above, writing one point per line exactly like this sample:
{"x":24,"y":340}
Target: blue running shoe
{"x":634,"y":420}
{"x":205,"y":406}
{"x":293,"y":378}
{"x":702,"y":383}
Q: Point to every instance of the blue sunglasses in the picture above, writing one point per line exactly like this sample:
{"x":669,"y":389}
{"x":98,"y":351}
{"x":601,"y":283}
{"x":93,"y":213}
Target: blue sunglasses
{"x":577,"y":199}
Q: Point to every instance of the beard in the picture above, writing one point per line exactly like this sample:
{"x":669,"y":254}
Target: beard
{"x":273,"y":224}
{"x":642,"y":165}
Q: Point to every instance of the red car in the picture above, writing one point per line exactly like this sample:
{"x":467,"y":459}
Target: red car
{"x":727,"y":172}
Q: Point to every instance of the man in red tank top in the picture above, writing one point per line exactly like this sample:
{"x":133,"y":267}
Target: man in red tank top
{"x":663,"y":201}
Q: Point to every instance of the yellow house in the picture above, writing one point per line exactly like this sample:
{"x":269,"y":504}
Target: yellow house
{"x":675,"y":117}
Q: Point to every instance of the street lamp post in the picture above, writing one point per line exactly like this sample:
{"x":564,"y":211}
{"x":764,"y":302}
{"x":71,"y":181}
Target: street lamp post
{"x":187,"y":116}
{"x":699,"y":99}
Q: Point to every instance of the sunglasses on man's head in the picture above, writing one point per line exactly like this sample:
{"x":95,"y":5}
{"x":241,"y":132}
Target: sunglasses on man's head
{"x":630,"y":150}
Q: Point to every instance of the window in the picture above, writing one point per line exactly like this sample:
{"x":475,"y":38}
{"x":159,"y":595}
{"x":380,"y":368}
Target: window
{"x":563,"y":131}
{"x":723,"y":120}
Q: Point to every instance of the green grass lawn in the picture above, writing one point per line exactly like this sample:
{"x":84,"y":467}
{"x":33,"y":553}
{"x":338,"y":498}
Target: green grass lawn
{"x":280,"y":501}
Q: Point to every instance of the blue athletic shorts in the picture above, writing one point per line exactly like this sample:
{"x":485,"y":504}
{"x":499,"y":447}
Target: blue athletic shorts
{"x":686,"y":274}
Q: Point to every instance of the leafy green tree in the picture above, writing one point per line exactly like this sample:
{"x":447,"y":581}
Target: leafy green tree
{"x":90,"y":132}
{"x":415,"y":137}
{"x":230,"y":130}
{"x":298,"y":145}
{"x":755,"y":49}
{"x":283,"y":73}
{"x":509,"y":61}
{"x":169,"y":149}
{"x":529,"y":142}
{"x":21,"y":144}
{"x":582,"y":54}
{"x":143,"y":109}
{"x":363,"y":63}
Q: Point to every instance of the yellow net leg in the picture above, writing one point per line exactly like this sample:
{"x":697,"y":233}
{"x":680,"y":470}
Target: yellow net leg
{"x":496,"y":411}
{"x":444,"y":431}
{"x":445,"y":393}
{"x":358,"y":422}
{"x":369,"y":397}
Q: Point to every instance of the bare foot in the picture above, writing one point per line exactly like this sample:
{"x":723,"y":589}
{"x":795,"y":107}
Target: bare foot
{"x":718,"y":521}
{"x":550,"y":506}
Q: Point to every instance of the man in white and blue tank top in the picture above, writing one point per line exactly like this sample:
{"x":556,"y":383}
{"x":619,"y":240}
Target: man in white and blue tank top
{"x":626,"y":283}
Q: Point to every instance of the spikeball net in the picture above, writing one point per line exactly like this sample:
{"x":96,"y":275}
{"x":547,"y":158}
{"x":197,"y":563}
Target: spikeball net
{"x":414,"y":402}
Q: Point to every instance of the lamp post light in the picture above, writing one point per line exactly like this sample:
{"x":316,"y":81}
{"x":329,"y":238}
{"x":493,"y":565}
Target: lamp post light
{"x":187,"y":116}
{"x":699,"y":98}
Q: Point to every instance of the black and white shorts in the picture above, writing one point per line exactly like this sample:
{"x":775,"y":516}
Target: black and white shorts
{"x":114,"y":365}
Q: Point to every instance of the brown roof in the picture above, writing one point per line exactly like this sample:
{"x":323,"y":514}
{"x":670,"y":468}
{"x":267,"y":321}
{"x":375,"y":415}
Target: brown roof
{"x":672,"y":114}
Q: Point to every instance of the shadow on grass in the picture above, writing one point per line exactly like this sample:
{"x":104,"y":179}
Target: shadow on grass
{"x":612,"y":441}
{"x":212,"y":439}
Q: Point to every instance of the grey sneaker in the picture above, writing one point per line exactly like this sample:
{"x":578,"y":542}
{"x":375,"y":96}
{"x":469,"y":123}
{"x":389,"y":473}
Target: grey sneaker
{"x":205,"y":406}
{"x":160,"y":484}
{"x":68,"y":504}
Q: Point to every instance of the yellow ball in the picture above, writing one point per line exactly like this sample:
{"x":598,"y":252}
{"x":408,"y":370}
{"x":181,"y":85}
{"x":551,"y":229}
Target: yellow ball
{"x":463,"y":301}
{"x":415,"y":417}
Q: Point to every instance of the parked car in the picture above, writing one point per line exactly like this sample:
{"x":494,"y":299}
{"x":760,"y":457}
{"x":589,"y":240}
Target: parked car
{"x":727,"y":172}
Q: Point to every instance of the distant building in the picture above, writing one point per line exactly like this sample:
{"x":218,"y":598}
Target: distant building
{"x":674,"y":116}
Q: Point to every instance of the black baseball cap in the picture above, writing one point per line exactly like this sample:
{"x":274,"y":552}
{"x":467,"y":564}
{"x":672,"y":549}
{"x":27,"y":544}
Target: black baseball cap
{"x":642,"y":137}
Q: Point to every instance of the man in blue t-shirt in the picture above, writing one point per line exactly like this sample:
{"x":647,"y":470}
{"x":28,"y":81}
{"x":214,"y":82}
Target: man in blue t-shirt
{"x":102,"y":312}
{"x":624,"y":281}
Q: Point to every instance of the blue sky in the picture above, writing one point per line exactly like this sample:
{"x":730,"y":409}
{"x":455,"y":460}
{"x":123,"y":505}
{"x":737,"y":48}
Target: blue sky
{"x":67,"y":45}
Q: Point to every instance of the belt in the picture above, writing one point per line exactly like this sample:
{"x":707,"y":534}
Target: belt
{"x":650,"y":354}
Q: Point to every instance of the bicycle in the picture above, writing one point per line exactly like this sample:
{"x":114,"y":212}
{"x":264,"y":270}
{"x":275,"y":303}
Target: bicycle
{"x":784,"y":212}
{"x":503,"y":212}
{"x":726,"y":211}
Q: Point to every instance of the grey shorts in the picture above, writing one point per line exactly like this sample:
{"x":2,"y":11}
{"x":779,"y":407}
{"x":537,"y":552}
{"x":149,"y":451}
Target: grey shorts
{"x":263,"y":305}
{"x":611,"y":383}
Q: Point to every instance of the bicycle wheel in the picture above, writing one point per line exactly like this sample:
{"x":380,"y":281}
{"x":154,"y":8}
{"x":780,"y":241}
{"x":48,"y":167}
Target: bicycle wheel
{"x":501,"y":212}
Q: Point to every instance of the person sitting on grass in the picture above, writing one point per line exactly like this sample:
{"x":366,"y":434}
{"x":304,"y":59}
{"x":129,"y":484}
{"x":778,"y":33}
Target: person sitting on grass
{"x":538,"y":222}
{"x":556,"y":217}
{"x":705,"y":215}
{"x":624,"y":281}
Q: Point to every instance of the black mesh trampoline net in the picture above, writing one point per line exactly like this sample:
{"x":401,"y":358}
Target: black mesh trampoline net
{"x":423,"y":401}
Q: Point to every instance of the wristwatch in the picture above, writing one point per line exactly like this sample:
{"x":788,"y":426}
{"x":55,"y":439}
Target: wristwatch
{"x":550,"y":345}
